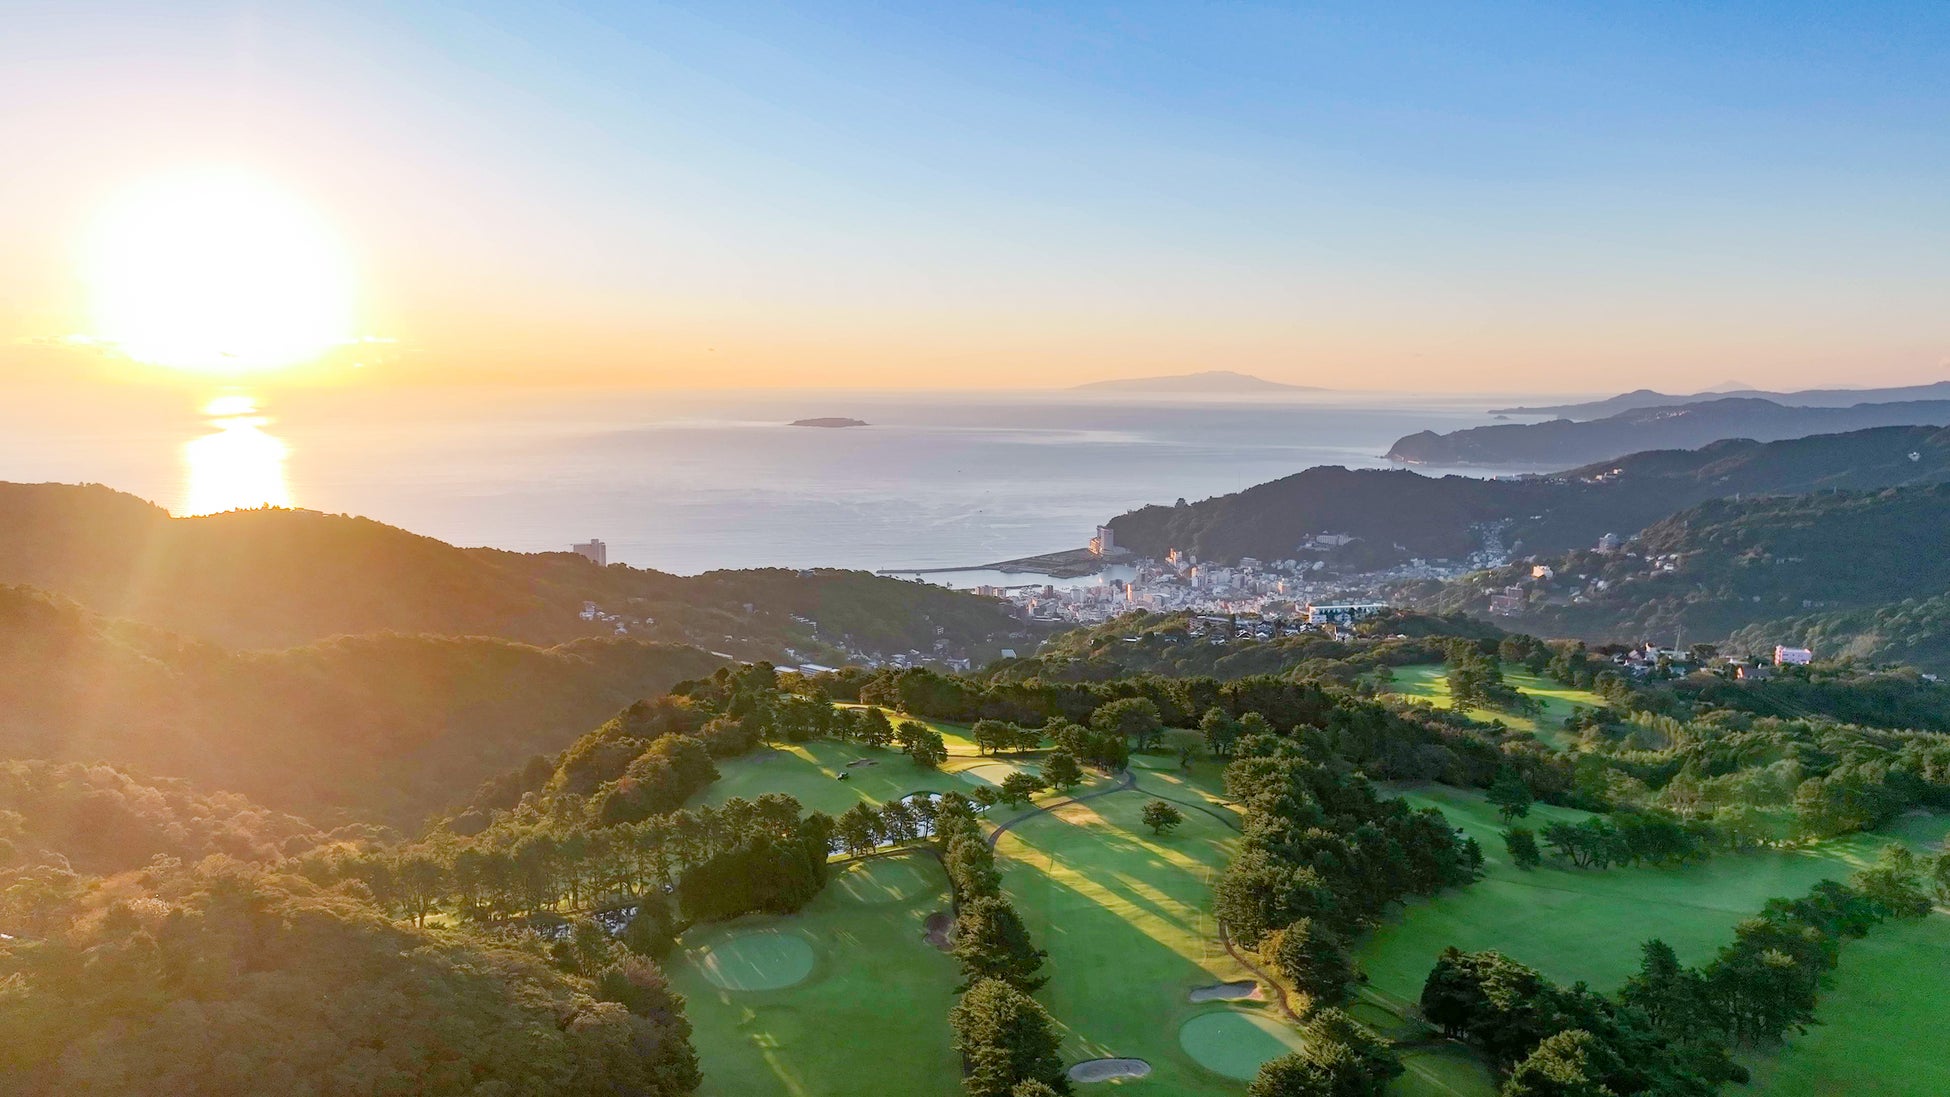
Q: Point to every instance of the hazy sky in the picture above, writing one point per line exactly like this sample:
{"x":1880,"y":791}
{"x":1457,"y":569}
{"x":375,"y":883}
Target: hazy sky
{"x":1443,"y":196}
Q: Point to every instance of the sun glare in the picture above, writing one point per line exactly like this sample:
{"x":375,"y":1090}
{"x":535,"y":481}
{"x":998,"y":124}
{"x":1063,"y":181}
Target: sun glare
{"x":217,"y":272}
{"x":238,"y":465}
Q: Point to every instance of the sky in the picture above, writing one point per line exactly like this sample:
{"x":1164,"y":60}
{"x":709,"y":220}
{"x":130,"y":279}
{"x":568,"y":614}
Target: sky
{"x":1425,"y":197}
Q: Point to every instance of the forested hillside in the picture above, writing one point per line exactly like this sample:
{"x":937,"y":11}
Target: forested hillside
{"x":274,"y":578}
{"x":1561,"y":442}
{"x":1868,"y":564}
{"x":1398,"y":513}
{"x":376,"y":727}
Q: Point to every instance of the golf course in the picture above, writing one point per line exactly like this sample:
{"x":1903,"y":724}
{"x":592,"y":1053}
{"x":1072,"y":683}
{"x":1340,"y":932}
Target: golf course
{"x":847,"y":990}
{"x":1586,"y":925}
{"x":1429,"y":683}
{"x":1144,"y":989}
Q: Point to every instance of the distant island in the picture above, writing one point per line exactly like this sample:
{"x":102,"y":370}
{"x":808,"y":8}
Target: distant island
{"x":1208,"y":381}
{"x":828,"y":421}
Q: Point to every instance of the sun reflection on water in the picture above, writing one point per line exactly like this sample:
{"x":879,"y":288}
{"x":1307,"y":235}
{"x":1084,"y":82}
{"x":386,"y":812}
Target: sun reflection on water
{"x":238,"y":464}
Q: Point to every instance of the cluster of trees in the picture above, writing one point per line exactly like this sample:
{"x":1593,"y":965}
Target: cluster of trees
{"x":1337,"y":1058}
{"x":1007,"y":1041}
{"x":1763,"y":780}
{"x":1476,"y":676}
{"x":1387,"y":741}
{"x":1670,"y":1029}
{"x":380,"y":729}
{"x":229,"y":979}
{"x":1322,"y":855}
{"x":101,"y":819}
{"x":1626,"y":837}
{"x":747,"y":855}
{"x":865,"y":827}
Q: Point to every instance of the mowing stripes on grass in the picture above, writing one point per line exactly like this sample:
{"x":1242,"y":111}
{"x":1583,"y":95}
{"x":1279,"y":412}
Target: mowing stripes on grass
{"x":1234,"y":1042}
{"x":886,"y":880}
{"x":990,"y":773}
{"x":756,"y":959}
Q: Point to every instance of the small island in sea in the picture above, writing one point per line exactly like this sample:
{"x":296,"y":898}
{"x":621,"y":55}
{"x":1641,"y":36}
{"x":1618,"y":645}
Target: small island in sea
{"x":828,"y":421}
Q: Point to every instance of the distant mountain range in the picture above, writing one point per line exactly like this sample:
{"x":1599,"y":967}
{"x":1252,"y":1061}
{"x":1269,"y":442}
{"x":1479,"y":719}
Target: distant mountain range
{"x":1805,"y":398}
{"x":1561,"y":442}
{"x":1209,"y":381}
{"x":1397,"y":514}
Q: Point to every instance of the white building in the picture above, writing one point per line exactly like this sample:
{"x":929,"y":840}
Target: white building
{"x":1346,"y":613}
{"x":594,"y":551}
{"x":1792,"y":657}
{"x":1105,"y":543}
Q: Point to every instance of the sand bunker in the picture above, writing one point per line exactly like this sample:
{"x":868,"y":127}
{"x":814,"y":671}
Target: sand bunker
{"x":1234,"y":1042}
{"x":1244,"y":990}
{"x":1108,"y":1070}
{"x":862,"y":762}
{"x":937,"y":927}
{"x":765,"y":959}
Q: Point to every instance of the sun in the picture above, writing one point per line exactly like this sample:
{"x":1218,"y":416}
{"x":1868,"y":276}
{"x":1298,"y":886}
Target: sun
{"x":217,"y":271}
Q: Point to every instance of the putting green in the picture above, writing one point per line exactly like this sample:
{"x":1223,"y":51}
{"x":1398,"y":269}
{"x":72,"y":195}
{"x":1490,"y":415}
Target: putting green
{"x":759,"y":959}
{"x":886,"y":880}
{"x":1234,"y":1042}
{"x":989,"y":773}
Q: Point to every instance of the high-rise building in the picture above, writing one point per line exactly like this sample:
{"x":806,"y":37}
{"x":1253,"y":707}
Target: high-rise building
{"x":594,"y":551}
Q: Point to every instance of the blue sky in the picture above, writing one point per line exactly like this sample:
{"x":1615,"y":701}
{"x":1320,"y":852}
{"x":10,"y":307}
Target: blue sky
{"x":1422,"y":196}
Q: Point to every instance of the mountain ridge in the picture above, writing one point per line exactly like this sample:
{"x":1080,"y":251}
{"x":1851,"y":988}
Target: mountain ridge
{"x":1212,"y":381}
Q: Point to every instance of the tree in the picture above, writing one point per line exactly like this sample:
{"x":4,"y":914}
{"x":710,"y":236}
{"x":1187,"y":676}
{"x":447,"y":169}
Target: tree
{"x":1561,"y":1066}
{"x":1061,"y":772}
{"x":1521,"y":845}
{"x":874,"y":729}
{"x":1005,"y":1038}
{"x":992,"y":943}
{"x":921,"y":743}
{"x":993,"y":736}
{"x":1892,"y":883}
{"x":858,"y":829}
{"x":1356,"y":1061}
{"x":1510,"y":795}
{"x":1314,"y":959}
{"x":1019,"y":787}
{"x":1133,"y":718}
{"x":1219,"y":730}
{"x":1162,"y":816}
{"x":1291,"y":1075}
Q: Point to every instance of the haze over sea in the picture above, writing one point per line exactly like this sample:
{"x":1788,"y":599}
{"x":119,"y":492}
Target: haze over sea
{"x":693,"y":481}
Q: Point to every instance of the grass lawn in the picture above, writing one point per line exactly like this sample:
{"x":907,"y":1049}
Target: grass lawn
{"x":1126,"y":918}
{"x":871,"y":1015}
{"x":1429,"y":682}
{"x":809,"y":772}
{"x":1582,"y":924}
{"x":1885,"y":1010}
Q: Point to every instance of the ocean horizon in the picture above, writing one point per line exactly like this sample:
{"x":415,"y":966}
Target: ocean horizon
{"x":697,"y":481}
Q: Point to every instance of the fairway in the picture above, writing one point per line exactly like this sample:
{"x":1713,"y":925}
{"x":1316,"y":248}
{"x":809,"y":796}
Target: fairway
{"x":1126,"y":919}
{"x":1234,"y":1042}
{"x":1883,"y":1012}
{"x":886,"y":879}
{"x":871,"y":1014}
{"x":1429,"y":682}
{"x":1584,"y":924}
{"x":810,"y":772}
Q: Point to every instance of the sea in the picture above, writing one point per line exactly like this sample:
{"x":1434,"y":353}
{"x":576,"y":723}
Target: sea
{"x":693,"y":481}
